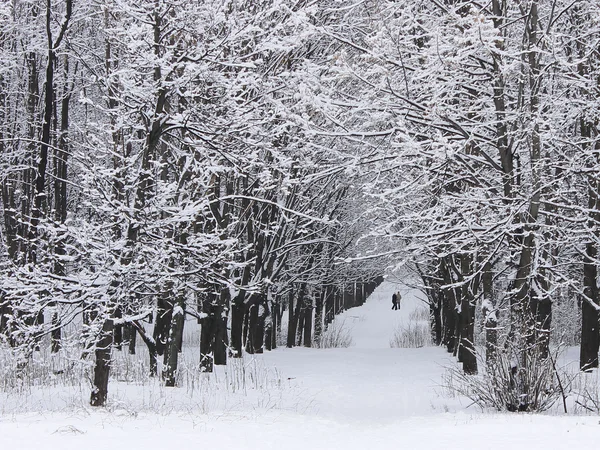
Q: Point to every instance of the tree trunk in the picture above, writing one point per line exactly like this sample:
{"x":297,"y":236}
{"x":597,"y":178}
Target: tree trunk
{"x":329,"y":305}
{"x":61,"y":154}
{"x":221,"y":340}
{"x":162,"y":324}
{"x":435,"y":311}
{"x":467,"y":340}
{"x":175,"y":335}
{"x":292,"y":320}
{"x":450,"y":310}
{"x":300,"y":326}
{"x":259,"y":328}
{"x":132,"y":337}
{"x":56,"y":334}
{"x":308,"y":319}
{"x":469,"y":358}
{"x":102,"y":365}
{"x":339,"y":304}
{"x":359,"y":294}
{"x":237,"y":324}
{"x":275,"y":322}
{"x":590,"y":336}
{"x":490,"y":315}
{"x":268,"y":336}
{"x":319,"y":301}
{"x":251,"y":320}
{"x":348,"y":298}
{"x":151,"y":344}
{"x":207,"y":335}
{"x":543,"y":318}
{"x":118,"y":332}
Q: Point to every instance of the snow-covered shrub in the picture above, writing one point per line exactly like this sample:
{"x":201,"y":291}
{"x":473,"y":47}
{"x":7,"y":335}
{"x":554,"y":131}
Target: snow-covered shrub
{"x":281,"y":336}
{"x":41,"y":368}
{"x":419,"y":314}
{"x":566,"y":321}
{"x":251,"y":373}
{"x":337,"y":335}
{"x":415,"y":334}
{"x":586,"y":391}
{"x":55,"y":382}
{"x":533,"y":385}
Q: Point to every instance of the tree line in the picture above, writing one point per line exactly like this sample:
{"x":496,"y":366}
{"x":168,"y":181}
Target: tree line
{"x":157,"y":165}
{"x":229,"y":160}
{"x":487,"y":116}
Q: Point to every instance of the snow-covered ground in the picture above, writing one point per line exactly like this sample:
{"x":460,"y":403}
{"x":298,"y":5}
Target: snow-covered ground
{"x":366,"y":396}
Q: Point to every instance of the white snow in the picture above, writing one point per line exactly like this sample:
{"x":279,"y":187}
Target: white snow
{"x":368,"y":396}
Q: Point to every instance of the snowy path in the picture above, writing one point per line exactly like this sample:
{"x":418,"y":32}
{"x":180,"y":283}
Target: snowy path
{"x":366,"y":396}
{"x":375,"y":321}
{"x":370,"y":380}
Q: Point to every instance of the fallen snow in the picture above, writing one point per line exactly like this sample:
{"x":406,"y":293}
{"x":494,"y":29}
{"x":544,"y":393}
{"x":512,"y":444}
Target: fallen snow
{"x":366,"y":396}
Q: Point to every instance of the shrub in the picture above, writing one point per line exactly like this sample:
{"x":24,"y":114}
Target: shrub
{"x":419,"y":314}
{"x":337,"y":335}
{"x":534,"y":385}
{"x":413,"y":335}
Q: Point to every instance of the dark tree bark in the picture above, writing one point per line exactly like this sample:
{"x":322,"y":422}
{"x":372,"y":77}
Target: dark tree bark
{"x":221,"y":340}
{"x":293,"y":312}
{"x":238,"y":314}
{"x":359,"y":294}
{"x":467,"y":343}
{"x":450,"y":314}
{"x":543,"y":321}
{"x":207,"y":337}
{"x":319,"y":302}
{"x":300,"y":316}
{"x":102,"y":366}
{"x":348,"y":298}
{"x":151,"y":344}
{"x":339,"y":304}
{"x":590,"y":334}
{"x":162,"y":323}
{"x":237,"y":322}
{"x":269,"y":336}
{"x":489,"y":315}
{"x":33,"y":100}
{"x":329,"y":305}
{"x":118,"y":331}
{"x":252,"y":325}
{"x":457,"y":349}
{"x":259,"y":328}
{"x":467,"y":336}
{"x":173,"y":342}
{"x":435,"y":302}
{"x":5,"y":310}
{"x":435,"y":312}
{"x":308,"y":320}
{"x":131,"y":338}
{"x":280,"y":313}
{"x":39,"y":198}
{"x":275,"y":322}
{"x":246,"y":326}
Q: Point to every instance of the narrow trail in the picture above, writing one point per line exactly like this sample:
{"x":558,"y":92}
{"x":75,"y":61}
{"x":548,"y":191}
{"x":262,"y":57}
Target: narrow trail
{"x":374,"y":323}
{"x":370,"y":380}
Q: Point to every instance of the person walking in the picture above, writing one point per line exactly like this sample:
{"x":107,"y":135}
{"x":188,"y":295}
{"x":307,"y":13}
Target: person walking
{"x":398,"y":300}
{"x":394,"y":301}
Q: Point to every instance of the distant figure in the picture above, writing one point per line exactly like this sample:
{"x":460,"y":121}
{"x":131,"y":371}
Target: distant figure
{"x":395,"y":301}
{"x":398,"y":299}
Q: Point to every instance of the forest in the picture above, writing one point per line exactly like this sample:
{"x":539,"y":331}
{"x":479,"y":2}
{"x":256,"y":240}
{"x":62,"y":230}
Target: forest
{"x":259,"y":166}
